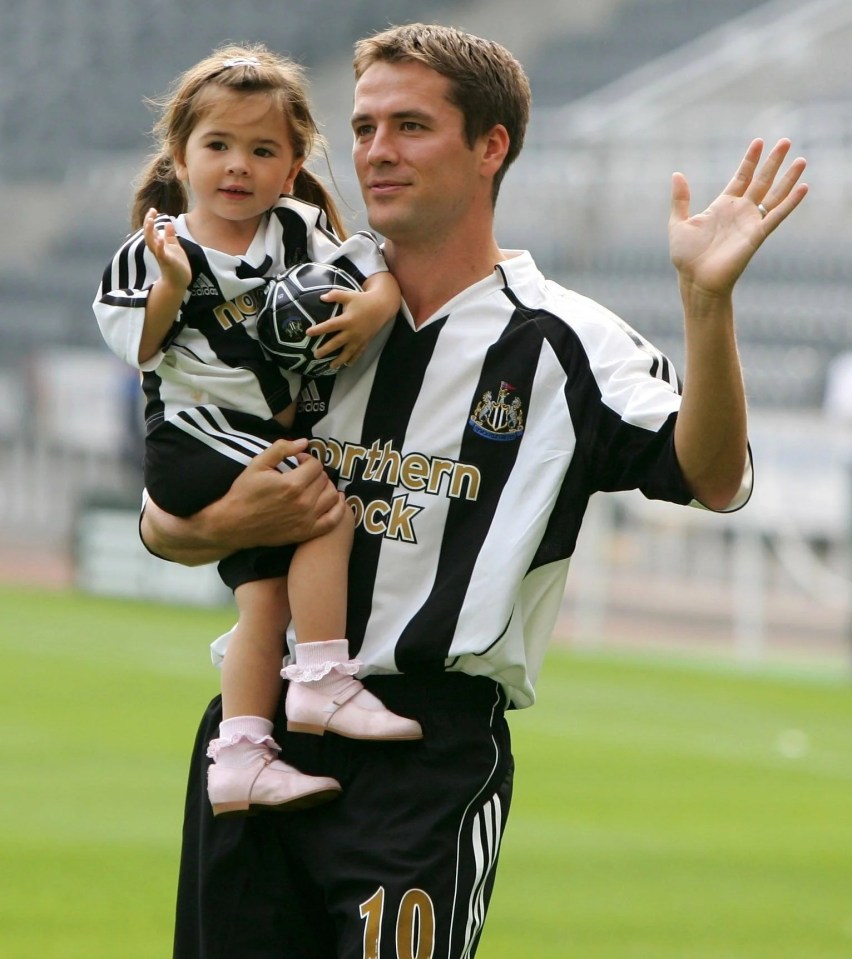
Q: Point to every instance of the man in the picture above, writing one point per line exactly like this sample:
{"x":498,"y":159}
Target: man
{"x":468,"y":443}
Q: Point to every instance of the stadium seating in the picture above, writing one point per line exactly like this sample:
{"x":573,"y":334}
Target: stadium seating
{"x":73,"y":125}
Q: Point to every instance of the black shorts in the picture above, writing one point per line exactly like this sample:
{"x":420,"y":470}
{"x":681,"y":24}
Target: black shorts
{"x":402,"y":864}
{"x":192,"y":459}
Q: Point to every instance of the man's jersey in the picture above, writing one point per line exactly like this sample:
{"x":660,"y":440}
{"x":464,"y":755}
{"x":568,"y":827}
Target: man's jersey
{"x":469,"y":448}
{"x":211,"y":355}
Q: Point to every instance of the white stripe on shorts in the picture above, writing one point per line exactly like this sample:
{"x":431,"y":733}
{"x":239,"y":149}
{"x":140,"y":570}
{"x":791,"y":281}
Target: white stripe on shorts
{"x":486,"y":844}
{"x":209,"y":425}
{"x":484,"y":839}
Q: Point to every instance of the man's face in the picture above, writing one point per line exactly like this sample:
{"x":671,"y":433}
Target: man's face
{"x":418,"y":175}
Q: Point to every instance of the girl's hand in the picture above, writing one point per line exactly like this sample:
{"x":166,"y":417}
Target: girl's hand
{"x":162,"y":241}
{"x":363,"y":315}
{"x":167,"y":292}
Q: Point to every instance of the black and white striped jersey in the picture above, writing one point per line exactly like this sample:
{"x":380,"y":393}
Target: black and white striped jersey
{"x":469,"y":449}
{"x":211,"y":355}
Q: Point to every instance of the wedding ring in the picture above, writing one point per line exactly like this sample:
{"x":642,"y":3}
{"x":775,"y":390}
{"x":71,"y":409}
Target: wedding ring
{"x":762,"y":210}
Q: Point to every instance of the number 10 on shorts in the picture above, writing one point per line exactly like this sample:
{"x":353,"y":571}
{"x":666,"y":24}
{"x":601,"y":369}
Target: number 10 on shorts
{"x":415,"y":925}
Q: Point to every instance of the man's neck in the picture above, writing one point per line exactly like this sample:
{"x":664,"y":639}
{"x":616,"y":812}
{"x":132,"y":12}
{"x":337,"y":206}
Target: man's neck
{"x":431,"y":276}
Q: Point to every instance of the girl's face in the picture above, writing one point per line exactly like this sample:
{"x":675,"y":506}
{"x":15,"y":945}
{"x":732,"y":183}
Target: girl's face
{"x":237,"y":161}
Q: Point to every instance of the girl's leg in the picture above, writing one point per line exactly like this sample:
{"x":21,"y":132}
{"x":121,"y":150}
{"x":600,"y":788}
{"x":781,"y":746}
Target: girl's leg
{"x":251,"y":681}
{"x":317,"y":583}
{"x":246,"y":774}
{"x":323,"y":693}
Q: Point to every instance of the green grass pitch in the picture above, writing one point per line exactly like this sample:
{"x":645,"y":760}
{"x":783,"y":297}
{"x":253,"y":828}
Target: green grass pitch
{"x":663,"y":810}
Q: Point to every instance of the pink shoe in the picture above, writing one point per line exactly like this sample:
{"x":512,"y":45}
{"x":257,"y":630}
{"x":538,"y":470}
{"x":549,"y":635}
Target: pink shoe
{"x":266,"y":784}
{"x":344,"y":707}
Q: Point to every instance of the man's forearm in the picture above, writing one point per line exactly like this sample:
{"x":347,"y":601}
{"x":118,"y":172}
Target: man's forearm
{"x":711,"y":436}
{"x":263,"y":507}
{"x":189,"y":541}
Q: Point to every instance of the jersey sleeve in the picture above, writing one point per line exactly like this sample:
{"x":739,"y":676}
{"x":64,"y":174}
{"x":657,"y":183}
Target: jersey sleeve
{"x":303,"y":231}
{"x":638,"y":395}
{"x":120,"y":303}
{"x":360,"y":256}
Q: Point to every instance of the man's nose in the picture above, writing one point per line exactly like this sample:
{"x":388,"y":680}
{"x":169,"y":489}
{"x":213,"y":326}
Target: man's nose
{"x":382,"y":148}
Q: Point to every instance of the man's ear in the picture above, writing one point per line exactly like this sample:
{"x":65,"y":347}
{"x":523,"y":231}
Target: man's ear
{"x":495,"y":146}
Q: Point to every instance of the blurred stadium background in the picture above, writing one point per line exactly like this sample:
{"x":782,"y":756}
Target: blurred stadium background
{"x":665,"y":809}
{"x":625,"y":92}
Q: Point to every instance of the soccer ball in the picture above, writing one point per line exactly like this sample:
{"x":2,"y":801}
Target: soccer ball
{"x":292,"y":305}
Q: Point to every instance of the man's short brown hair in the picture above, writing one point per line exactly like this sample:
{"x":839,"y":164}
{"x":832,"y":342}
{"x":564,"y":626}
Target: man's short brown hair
{"x":487,"y":83}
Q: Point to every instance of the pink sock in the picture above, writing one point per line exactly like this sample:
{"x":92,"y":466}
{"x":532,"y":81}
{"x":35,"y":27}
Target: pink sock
{"x":321,"y":663}
{"x":242,"y":740}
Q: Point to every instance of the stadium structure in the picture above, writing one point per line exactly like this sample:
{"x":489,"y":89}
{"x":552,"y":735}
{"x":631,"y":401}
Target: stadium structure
{"x":625,"y":92}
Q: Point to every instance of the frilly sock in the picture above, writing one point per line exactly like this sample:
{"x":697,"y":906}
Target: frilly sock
{"x":314,"y":662}
{"x":242,"y":740}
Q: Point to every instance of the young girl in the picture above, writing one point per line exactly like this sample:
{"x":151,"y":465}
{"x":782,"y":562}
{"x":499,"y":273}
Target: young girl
{"x":179,"y":302}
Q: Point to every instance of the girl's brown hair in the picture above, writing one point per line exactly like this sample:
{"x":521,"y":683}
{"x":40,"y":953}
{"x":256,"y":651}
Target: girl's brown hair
{"x":249,"y":69}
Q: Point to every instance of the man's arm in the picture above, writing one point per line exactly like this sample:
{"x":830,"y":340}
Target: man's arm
{"x":710,"y":252}
{"x":263,"y":507}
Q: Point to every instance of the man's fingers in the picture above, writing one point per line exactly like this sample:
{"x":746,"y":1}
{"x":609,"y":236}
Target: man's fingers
{"x":277,"y":452}
{"x":788,"y":193}
{"x":740,"y":181}
{"x":328,"y":519}
{"x":763,"y":179}
{"x":774,"y":201}
{"x":777,"y":214}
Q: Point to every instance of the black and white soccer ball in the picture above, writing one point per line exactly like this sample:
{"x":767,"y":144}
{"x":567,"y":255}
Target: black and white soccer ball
{"x":292,"y":305}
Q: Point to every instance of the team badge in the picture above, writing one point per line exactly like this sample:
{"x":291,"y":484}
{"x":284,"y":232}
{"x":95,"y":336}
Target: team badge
{"x":498,"y":418}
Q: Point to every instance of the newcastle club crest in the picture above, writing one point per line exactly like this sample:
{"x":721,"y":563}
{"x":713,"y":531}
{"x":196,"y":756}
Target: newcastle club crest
{"x":498,"y":418}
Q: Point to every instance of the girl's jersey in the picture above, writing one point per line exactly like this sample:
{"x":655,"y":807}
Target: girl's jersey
{"x":469,"y":448}
{"x":211,"y":355}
